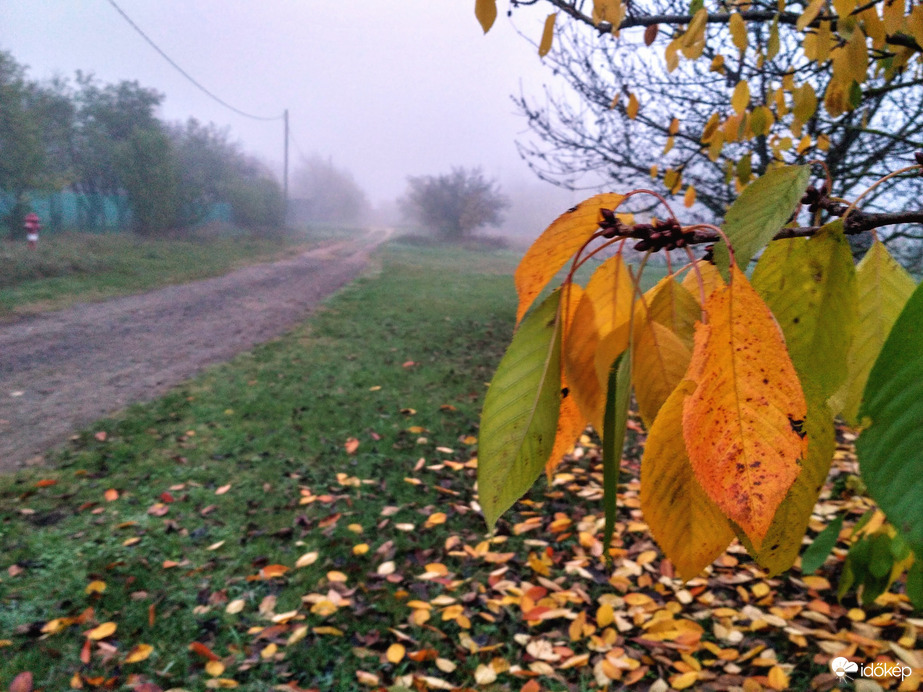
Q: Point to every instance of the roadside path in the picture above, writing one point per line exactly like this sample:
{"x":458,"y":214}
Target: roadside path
{"x":62,"y":370}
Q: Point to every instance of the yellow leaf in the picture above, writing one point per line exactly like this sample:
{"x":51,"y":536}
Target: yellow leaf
{"x":306,"y":559}
{"x":804,"y":102}
{"x":139,"y":653}
{"x":484,"y":674}
{"x":893,"y":16}
{"x":360,"y":549}
{"x":604,"y":306}
{"x":772,"y":43}
{"x":687,"y":524}
{"x":689,"y":197}
{"x":632,"y":108}
{"x":777,"y":678}
{"x":547,"y":35}
{"x":214,"y":668}
{"x":684,"y":680}
{"x":486,"y":12}
{"x":435,"y":519}
{"x":107,"y":629}
{"x":810,"y":14}
{"x":761,"y":120}
{"x":741,"y":97}
{"x":235,"y":606}
{"x":804,"y":144}
{"x":669,"y":145}
{"x":268,"y":651}
{"x":702,"y":278}
{"x":674,"y":126}
{"x":659,"y":361}
{"x":95,"y":587}
{"x":740,"y":423}
{"x":693,"y":39}
{"x":557,"y":244}
{"x":395,"y":653}
{"x":738,"y":28}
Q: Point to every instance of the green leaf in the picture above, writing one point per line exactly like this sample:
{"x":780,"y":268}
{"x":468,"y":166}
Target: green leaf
{"x":817,"y":552}
{"x":810,"y":286}
{"x":883,"y":288}
{"x":760,"y":211}
{"x":618,"y":397}
{"x":783,"y":540}
{"x":890,"y":449}
{"x":520,"y":415}
{"x":915,"y":584}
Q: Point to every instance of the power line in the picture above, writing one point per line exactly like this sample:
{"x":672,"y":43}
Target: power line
{"x":183,"y":72}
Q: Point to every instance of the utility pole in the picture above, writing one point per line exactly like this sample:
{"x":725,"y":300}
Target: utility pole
{"x":285,"y":173}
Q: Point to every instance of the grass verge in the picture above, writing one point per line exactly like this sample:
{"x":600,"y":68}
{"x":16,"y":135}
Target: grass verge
{"x":73,"y":267}
{"x":305,"y":517}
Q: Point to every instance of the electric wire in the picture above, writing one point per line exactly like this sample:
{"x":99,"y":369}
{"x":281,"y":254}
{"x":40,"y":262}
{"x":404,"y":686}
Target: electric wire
{"x":183,"y":72}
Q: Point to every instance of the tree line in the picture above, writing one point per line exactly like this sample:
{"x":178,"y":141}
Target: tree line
{"x":105,"y":141}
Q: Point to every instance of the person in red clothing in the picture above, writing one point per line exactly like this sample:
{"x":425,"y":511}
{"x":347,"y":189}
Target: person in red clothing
{"x":32,"y":227}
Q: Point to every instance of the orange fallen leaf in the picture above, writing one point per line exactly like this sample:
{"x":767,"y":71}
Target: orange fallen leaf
{"x":272,"y":571}
{"x":351,"y":445}
{"x":111,"y":494}
{"x":46,"y":482}
{"x":222,"y":489}
{"x":203,"y":651}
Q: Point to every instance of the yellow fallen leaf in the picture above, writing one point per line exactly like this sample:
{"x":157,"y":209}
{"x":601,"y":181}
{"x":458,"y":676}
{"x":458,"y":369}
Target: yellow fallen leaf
{"x":139,"y":653}
{"x":360,"y":549}
{"x":484,"y":674}
{"x":435,"y":519}
{"x":268,"y":651}
{"x":386,"y":568}
{"x":235,"y":606}
{"x":214,"y":668}
{"x":336,"y":576}
{"x":223,"y":489}
{"x":107,"y":629}
{"x":306,"y":559}
{"x":395,"y":653}
{"x":95,"y":587}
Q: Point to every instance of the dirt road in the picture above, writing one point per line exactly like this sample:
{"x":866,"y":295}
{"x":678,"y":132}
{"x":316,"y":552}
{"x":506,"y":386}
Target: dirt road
{"x":60,"y":371}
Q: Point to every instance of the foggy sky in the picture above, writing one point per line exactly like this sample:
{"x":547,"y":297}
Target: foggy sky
{"x":387,"y":88}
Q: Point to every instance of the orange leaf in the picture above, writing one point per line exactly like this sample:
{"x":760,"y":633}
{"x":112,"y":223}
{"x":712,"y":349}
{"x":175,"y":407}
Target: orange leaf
{"x":558,"y":243}
{"x":686,"y":523}
{"x":46,"y":482}
{"x":742,"y":423}
{"x":351,"y":445}
{"x":111,"y":495}
{"x":570,"y":420}
{"x":203,"y":651}
{"x":85,"y":651}
{"x":271,"y":571}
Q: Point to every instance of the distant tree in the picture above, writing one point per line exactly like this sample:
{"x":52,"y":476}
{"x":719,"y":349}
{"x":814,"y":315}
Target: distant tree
{"x":150,"y":178}
{"x":454,"y":204}
{"x":324,"y":193}
{"x":107,"y":117}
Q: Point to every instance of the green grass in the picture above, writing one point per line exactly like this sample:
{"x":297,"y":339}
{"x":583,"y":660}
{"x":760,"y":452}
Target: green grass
{"x":272,"y":423}
{"x":73,"y":267}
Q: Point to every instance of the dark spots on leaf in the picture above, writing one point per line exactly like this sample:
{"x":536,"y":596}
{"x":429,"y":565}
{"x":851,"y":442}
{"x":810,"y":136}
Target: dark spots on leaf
{"x":573,"y":209}
{"x":741,"y":467}
{"x":765,"y":381}
{"x":755,"y":464}
{"x":796,"y":320}
{"x":797,"y":426}
{"x":774,"y":546}
{"x":564,"y":392}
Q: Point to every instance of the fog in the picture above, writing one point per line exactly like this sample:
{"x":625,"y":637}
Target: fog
{"x":385,"y":89}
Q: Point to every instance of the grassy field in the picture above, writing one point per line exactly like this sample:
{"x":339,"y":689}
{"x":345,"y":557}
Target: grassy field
{"x":305,"y":518}
{"x":73,"y":267}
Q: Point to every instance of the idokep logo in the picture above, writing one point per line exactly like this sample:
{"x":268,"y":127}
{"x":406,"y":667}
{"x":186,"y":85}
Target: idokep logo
{"x":842,"y":667}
